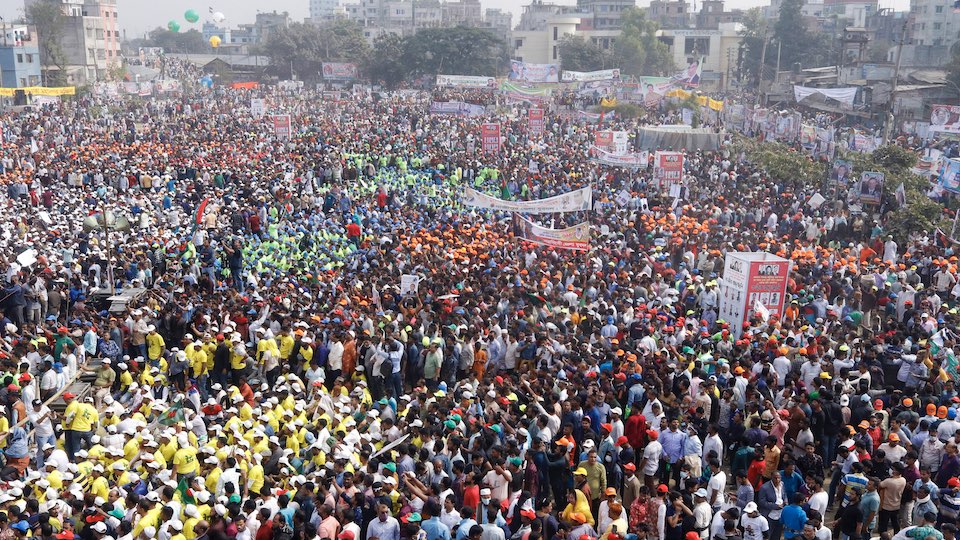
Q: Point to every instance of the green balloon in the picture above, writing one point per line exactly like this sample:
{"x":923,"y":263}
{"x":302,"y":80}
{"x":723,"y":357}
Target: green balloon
{"x":191,"y":16}
{"x":173,"y":26}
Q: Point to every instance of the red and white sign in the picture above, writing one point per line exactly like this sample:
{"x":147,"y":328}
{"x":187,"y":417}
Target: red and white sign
{"x":535,"y":121}
{"x":752,"y":282}
{"x":668,"y":168}
{"x":490,"y":138}
{"x":282,"y":126}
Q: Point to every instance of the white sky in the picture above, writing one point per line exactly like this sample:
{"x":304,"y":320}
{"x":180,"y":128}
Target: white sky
{"x":139,"y":16}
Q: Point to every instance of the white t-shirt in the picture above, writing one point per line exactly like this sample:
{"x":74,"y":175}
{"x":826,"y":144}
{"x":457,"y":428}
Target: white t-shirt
{"x":498,"y":484}
{"x":717,"y":484}
{"x":652,"y":454}
{"x":44,"y":428}
{"x":754,"y":527}
{"x":818,"y":502}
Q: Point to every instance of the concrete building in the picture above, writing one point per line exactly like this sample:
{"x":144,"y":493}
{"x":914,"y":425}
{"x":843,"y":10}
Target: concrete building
{"x":238,"y":40}
{"x":933,"y":30}
{"x":499,"y":22}
{"x":461,"y":12}
{"x":850,"y":12}
{"x":712,"y":14}
{"x":321,"y":10}
{"x":90,"y":39}
{"x":669,"y":13}
{"x":19,"y":57}
{"x":543,"y":26}
{"x":718,"y":48}
{"x":604,"y":14}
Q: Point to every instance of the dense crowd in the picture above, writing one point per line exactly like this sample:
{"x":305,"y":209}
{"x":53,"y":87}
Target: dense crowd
{"x":274,"y":376}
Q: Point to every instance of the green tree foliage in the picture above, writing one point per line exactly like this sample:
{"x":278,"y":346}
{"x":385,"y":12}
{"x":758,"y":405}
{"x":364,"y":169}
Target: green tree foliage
{"x":578,"y":54}
{"x":189,"y":42}
{"x":49,"y":19}
{"x":385,"y":66}
{"x":638,"y":51}
{"x":454,"y":51}
{"x":304,"y":47}
{"x":791,"y":32}
{"x":755,"y":27}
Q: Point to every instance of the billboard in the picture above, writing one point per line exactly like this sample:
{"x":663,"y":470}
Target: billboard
{"x":950,"y":175}
{"x":465,"y":81}
{"x":613,"y":142}
{"x":258,"y":106}
{"x":535,"y":121}
{"x":668,"y":168}
{"x":525,"y":71}
{"x":339,"y":71}
{"x":490,"y":138}
{"x":590,"y":76}
{"x":752,"y":282}
{"x":282,"y":126}
{"x":945,"y":118}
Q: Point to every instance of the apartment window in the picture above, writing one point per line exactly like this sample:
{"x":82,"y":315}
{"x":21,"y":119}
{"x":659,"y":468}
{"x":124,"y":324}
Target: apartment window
{"x":518,"y":43}
{"x":939,"y":9}
{"x":555,"y":48}
{"x":693,"y":45}
{"x":19,"y":58}
{"x":936,"y":26}
{"x":29,"y":58}
{"x":23,"y":81}
{"x":555,"y":34}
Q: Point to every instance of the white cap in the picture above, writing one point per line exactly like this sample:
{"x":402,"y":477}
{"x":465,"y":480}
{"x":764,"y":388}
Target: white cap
{"x":100,"y":527}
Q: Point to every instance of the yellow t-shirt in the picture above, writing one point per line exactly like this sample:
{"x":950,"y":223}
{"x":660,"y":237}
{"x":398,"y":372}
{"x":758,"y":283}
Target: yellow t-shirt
{"x":185,"y":460}
{"x":100,"y":488}
{"x":188,"y":525}
{"x":155,"y":345}
{"x":85,"y":418}
{"x":255,"y":478}
{"x":167,"y":450}
{"x":71,"y":411}
{"x":286,"y":346}
{"x":210,"y":482}
{"x":150,"y":519}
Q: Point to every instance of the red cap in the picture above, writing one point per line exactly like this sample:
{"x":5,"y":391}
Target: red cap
{"x":652,"y":435}
{"x":622,"y":440}
{"x":346,"y":535}
{"x":691,"y":536}
{"x":662,"y":488}
{"x":24,"y":377}
{"x":69,"y":395}
{"x":629,"y":467}
{"x":529,"y":514}
{"x":62,"y":330}
{"x":13,"y":388}
{"x":607,"y":427}
{"x":954,"y":482}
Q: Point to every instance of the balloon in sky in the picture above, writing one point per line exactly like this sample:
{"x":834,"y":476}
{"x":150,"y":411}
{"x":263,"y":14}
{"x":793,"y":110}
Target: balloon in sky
{"x":215,"y":41}
{"x":219,"y":17}
{"x":173,"y":26}
{"x":191,"y":16}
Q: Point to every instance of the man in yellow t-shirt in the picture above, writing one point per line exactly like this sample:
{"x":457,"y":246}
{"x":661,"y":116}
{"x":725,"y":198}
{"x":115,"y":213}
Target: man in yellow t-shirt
{"x":185,"y":462}
{"x":83,"y":421}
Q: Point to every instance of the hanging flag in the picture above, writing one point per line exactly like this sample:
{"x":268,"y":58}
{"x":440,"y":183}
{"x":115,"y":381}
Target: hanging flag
{"x":173,"y":415}
{"x":200,"y":210}
{"x":761,"y":310}
{"x":186,"y":494}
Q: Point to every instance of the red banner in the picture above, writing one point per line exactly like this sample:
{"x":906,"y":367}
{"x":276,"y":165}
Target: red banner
{"x":668,"y":168}
{"x":535,"y":121}
{"x":490,"y":138}
{"x":282,"y":126}
{"x":767,"y":286}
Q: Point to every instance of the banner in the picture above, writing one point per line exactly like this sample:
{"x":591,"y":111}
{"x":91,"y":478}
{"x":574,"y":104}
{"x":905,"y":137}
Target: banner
{"x":572,"y":201}
{"x":258,"y":106}
{"x":752,"y":282}
{"x":339,"y":71}
{"x":631,"y":161}
{"x":843,"y":95}
{"x":950,"y":176}
{"x":465,"y":81}
{"x":871,"y":187}
{"x":841,"y":172}
{"x":592,"y":118}
{"x":576,"y":237}
{"x":945,"y":118}
{"x":456,"y":108}
{"x":535,"y":121}
{"x":525,"y":71}
{"x":589,"y":76}
{"x":614,"y":142}
{"x":808,"y":135}
{"x":490,"y":138}
{"x":668,"y":168}
{"x":41,"y":91}
{"x":282,"y":126}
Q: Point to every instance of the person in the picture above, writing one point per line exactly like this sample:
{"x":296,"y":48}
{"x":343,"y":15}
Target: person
{"x":771,"y":501}
{"x":891,"y":494}
{"x":755,"y":526}
{"x":850,"y":518}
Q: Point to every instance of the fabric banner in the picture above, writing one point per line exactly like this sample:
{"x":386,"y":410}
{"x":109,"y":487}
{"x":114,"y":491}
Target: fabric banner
{"x":490,"y":138}
{"x":668,"y":167}
{"x":457,"y":108}
{"x":591,"y":118}
{"x":573,"y":201}
{"x":282,"y":126}
{"x":808,"y":135}
{"x":945,"y":118}
{"x":40,"y":91}
{"x":843,"y":95}
{"x":614,"y":142}
{"x":589,"y":76}
{"x":339,"y":71}
{"x":950,"y":176}
{"x":871,"y":187}
{"x":576,"y":237}
{"x":535,"y":121}
{"x":630,"y":161}
{"x":526,"y":90}
{"x":258,"y":106}
{"x":168,"y":85}
{"x":525,"y":71}
{"x":465,"y":81}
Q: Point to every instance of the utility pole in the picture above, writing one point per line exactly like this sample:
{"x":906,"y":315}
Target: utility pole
{"x":763,"y":61}
{"x":888,"y":123}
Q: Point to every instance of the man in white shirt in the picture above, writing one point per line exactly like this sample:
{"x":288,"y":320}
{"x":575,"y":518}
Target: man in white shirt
{"x":650,"y":465}
{"x":753,"y":524}
{"x":717,"y":485}
{"x":41,"y":418}
{"x":714,"y":443}
{"x":702,"y":514}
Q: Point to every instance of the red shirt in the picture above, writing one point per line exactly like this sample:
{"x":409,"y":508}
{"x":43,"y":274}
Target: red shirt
{"x":353,"y":230}
{"x":471,"y":497}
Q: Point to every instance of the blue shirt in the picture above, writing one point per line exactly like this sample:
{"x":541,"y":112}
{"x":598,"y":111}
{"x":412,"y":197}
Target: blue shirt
{"x":435,"y":529}
{"x":673,"y":443}
{"x":793,"y":518}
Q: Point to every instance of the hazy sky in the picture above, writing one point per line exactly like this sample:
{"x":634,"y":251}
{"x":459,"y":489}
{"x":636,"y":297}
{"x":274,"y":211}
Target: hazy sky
{"x":139,"y":16}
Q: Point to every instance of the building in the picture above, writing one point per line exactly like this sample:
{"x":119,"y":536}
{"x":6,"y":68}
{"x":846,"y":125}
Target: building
{"x":240,"y":39}
{"x":669,"y":13}
{"x":499,"y":22}
{"x":712,"y":14}
{"x":19,"y":57}
{"x":718,"y":49}
{"x":850,"y":12}
{"x":933,"y":30}
{"x":461,"y":12}
{"x":90,"y":40}
{"x":406,"y":17}
{"x":322,"y":10}
{"x":604,"y":14}
{"x":543,"y":26}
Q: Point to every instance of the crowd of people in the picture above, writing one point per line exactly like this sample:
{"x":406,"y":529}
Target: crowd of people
{"x":322,"y":342}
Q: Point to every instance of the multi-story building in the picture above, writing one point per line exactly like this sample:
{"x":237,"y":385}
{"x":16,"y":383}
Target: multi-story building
{"x":499,"y":22}
{"x":322,"y":10}
{"x":19,"y":56}
{"x":240,"y":39}
{"x":934,"y":29}
{"x":461,"y":12}
{"x":543,"y":26}
{"x":850,"y":12}
{"x":712,"y":14}
{"x":669,"y":13}
{"x":90,"y":39}
{"x":604,"y":14}
{"x":717,"y":48}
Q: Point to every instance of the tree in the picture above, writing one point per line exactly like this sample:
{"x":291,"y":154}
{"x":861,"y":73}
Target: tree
{"x":790,"y":30}
{"x":578,"y":54}
{"x":304,"y":47}
{"x":638,"y":51}
{"x":953,"y":71}
{"x":48,"y":17}
{"x":456,"y":51}
{"x":754,"y":33}
{"x":386,"y":65}
{"x":189,"y":42}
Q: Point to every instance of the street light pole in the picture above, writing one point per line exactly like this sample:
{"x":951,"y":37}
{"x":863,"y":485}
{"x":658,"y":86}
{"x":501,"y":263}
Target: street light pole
{"x":888,"y":124}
